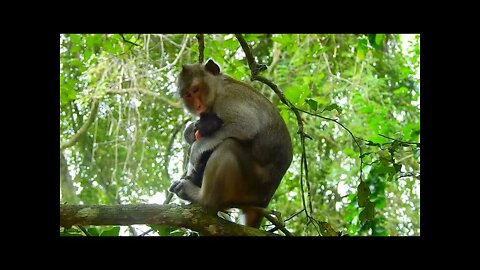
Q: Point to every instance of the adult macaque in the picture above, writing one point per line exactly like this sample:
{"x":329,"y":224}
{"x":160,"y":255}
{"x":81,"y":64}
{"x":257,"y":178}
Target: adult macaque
{"x":204,"y":127}
{"x":251,"y":151}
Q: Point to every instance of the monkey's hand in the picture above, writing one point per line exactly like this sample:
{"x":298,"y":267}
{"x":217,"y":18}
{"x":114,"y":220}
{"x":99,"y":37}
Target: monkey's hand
{"x":185,"y":189}
{"x":189,"y":133}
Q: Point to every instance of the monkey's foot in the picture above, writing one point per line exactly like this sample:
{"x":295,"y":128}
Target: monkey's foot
{"x":184,"y":189}
{"x":176,"y":186}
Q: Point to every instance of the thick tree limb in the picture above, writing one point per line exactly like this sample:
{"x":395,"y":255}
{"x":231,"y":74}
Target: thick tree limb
{"x":193,"y":217}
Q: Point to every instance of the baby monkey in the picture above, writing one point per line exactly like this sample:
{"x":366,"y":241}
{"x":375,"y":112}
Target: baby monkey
{"x":204,"y":127}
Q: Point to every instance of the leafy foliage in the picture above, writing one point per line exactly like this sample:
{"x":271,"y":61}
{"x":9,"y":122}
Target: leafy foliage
{"x":369,"y":83}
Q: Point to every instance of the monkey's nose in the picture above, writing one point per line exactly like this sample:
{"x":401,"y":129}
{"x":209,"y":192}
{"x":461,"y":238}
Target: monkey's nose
{"x":201,"y":109}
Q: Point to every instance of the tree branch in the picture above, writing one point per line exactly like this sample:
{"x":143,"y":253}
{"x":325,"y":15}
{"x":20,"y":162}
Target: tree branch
{"x":415,"y":143}
{"x":128,"y":41}
{"x":255,"y":69}
{"x":191,"y":216}
{"x":84,"y":128}
{"x":201,"y":47}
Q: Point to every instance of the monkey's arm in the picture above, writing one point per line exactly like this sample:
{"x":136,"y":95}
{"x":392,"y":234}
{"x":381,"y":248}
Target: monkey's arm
{"x":240,"y":123}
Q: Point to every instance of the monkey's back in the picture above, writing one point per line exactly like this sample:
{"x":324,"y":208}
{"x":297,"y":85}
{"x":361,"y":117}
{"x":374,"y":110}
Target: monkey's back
{"x":271,"y":146}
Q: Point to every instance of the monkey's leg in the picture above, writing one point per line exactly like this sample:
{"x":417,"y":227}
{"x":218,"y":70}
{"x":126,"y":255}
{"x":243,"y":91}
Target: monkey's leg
{"x":253,"y":217}
{"x":224,"y":180}
{"x":273,"y":216}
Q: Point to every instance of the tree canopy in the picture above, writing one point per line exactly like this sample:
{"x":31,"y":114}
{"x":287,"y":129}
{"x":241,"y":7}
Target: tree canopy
{"x":356,"y":164}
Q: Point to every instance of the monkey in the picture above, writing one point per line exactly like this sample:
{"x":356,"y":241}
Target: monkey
{"x":251,"y":152}
{"x":204,"y":127}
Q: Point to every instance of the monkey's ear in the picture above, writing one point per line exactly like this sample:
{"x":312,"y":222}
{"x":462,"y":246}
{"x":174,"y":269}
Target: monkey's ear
{"x":212,"y":67}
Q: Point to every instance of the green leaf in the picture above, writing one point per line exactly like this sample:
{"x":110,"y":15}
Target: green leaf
{"x":401,"y":91}
{"x":293,"y":93}
{"x":363,"y":193}
{"x":368,"y":213}
{"x":379,"y":38}
{"x":407,"y":133}
{"x":327,"y":229}
{"x":93,"y":231}
{"x":385,"y":157}
{"x":87,"y":54}
{"x":90,"y":41}
{"x":312,"y":103}
{"x":367,"y":109}
{"x":416,"y":153}
{"x":380,"y":231}
{"x":285,"y":115}
{"x":162,"y":230}
{"x":76,"y":38}
{"x":63,"y":97}
{"x":380,"y":202}
{"x":377,"y":139}
{"x":75,"y":48}
{"x":112,"y":232}
{"x":382,"y":169}
{"x":327,"y":88}
{"x":284,"y":39}
{"x":72,"y":94}
{"x":350,"y":152}
{"x":71,"y":232}
{"x":93,"y":40}
{"x":362,"y":49}
{"x":332,"y":107}
{"x":397,"y":167}
{"x":76,"y":62}
{"x":108,"y":46}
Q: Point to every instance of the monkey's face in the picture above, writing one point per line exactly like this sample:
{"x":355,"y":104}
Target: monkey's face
{"x":195,"y":86}
{"x":194,"y":96}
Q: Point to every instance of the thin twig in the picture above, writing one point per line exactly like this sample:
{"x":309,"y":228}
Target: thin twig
{"x":414,"y":143}
{"x":294,"y":215}
{"x":128,"y":41}
{"x":84,"y":230}
{"x":147,"y":232}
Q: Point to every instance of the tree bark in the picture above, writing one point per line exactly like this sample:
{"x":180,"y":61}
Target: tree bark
{"x":193,"y":217}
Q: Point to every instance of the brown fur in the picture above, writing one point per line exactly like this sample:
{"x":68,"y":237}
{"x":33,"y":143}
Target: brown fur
{"x":251,"y":152}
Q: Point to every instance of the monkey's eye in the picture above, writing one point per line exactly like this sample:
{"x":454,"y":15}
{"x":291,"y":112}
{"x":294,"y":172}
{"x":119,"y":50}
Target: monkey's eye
{"x":195,"y":90}
{"x":189,"y":95}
